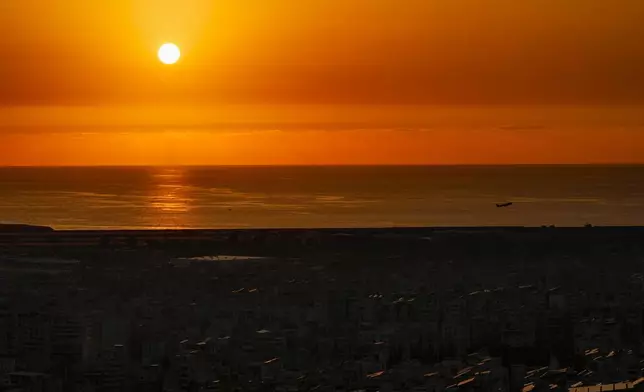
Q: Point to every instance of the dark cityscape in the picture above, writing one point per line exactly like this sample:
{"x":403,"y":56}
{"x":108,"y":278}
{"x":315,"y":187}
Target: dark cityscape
{"x":506,"y":309}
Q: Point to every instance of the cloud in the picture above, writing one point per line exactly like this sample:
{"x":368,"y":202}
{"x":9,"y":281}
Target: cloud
{"x":249,"y":127}
{"x":519,"y":127}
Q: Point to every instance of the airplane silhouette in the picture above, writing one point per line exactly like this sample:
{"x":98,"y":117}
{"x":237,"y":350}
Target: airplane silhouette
{"x":508,"y":204}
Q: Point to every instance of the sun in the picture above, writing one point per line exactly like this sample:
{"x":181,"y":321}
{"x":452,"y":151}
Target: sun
{"x":169,"y":53}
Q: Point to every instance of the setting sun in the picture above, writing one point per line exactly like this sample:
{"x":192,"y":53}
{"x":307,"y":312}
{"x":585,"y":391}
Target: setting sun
{"x":169,"y":53}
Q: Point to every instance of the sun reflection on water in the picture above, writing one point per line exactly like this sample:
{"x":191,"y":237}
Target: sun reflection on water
{"x":168,"y":199}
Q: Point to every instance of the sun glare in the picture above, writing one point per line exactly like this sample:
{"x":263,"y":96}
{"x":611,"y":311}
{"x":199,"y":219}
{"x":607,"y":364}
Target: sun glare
{"x":169,"y":53}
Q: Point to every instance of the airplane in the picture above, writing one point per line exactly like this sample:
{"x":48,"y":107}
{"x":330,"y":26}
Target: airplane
{"x":508,"y":204}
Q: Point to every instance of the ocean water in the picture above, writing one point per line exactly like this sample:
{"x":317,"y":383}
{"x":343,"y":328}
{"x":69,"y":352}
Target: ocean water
{"x":248,"y":197}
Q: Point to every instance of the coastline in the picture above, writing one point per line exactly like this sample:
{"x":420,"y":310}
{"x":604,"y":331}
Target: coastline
{"x":417,"y":241}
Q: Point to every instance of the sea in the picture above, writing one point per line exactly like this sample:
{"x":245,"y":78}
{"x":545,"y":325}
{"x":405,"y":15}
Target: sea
{"x":83,"y":198}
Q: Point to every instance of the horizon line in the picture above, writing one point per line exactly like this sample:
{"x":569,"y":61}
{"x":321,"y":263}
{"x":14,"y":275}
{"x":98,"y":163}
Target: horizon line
{"x":326,"y":165}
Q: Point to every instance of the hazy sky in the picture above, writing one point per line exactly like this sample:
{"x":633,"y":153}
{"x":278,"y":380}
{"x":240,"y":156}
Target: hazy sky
{"x":90,"y":66}
{"x":330,"y":51}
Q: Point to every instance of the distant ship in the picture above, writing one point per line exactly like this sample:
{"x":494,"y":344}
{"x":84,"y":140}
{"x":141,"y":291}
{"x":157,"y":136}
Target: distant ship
{"x":508,"y":204}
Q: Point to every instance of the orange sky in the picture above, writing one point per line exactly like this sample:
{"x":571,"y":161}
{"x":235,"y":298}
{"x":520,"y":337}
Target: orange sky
{"x":321,"y":82}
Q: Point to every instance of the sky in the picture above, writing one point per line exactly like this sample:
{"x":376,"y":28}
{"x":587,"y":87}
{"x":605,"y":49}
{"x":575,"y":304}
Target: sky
{"x":322,"y":82}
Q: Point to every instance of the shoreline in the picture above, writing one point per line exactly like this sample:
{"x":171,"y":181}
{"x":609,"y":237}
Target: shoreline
{"x":48,"y":229}
{"x":369,"y":231}
{"x":477,"y":241}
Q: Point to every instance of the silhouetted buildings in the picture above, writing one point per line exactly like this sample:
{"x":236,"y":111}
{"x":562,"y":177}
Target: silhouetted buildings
{"x":424,"y":320}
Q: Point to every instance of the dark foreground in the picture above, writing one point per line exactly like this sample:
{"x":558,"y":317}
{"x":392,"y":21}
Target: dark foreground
{"x":484,"y":309}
